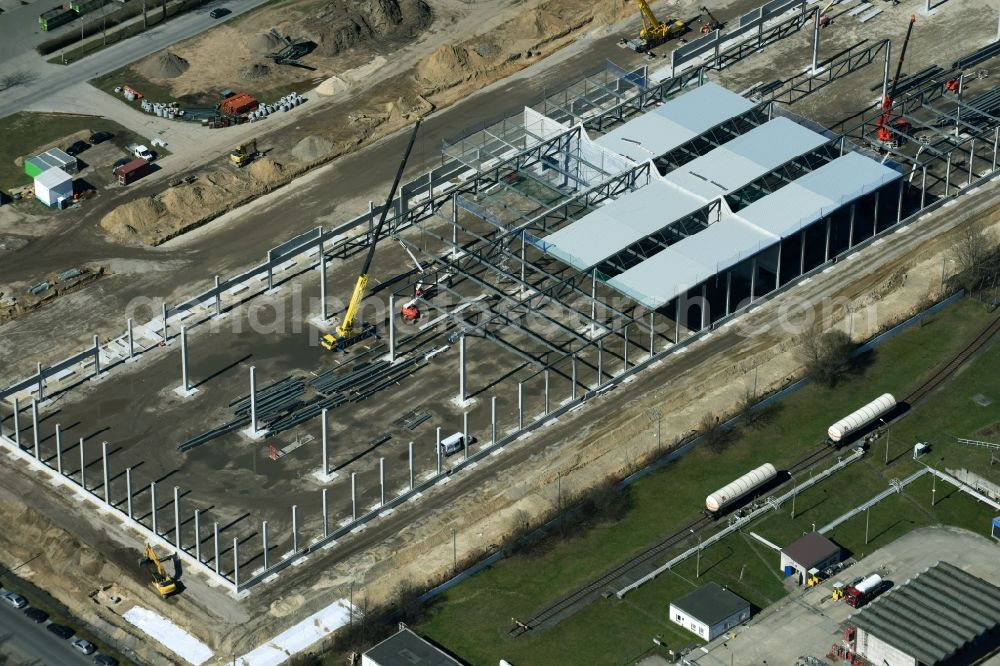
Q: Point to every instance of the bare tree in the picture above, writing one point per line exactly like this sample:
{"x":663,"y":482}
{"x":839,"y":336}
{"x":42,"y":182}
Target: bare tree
{"x":976,"y":259}
{"x":827,"y":356}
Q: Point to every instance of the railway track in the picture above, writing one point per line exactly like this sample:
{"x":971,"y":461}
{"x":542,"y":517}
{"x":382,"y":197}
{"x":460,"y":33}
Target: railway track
{"x":584,"y":595}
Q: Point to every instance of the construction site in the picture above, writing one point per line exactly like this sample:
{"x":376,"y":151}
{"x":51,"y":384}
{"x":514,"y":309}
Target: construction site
{"x":375,"y":370}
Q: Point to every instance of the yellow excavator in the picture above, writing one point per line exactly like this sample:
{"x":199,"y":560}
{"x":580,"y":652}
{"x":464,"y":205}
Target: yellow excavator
{"x":654,"y":32}
{"x":245,"y":153}
{"x":348,"y":332}
{"x":162,"y":581}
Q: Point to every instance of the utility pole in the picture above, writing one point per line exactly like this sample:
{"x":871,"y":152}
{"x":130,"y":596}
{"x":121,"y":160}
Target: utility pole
{"x":867,"y":514}
{"x":454,"y":551}
{"x":794,"y":488}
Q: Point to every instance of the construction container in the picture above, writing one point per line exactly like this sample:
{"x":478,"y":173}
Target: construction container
{"x":133,"y":171}
{"x":742,"y":486}
{"x":55,"y":17}
{"x":84,"y":6}
{"x":859,"y":419}
{"x":238,"y":104}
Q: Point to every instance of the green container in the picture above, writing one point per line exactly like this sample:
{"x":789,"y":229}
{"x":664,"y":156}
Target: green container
{"x":33,"y":168}
{"x":84,"y":6}
{"x":55,"y":18}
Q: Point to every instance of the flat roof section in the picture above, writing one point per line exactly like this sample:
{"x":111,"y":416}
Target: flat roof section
{"x":818,"y":193}
{"x":711,"y":604}
{"x":745,"y":158}
{"x":810,"y":550}
{"x":659,"y":279}
{"x":406,"y":648}
{"x":671,"y":124}
{"x":620,"y":223}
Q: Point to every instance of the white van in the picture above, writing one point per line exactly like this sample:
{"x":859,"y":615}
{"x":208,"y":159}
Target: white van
{"x":454,"y":443}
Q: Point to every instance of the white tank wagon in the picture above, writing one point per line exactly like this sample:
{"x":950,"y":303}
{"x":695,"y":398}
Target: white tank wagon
{"x":854,"y":421}
{"x":742,"y":486}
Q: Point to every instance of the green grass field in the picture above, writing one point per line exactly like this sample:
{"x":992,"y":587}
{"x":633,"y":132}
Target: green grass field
{"x":473,"y":618}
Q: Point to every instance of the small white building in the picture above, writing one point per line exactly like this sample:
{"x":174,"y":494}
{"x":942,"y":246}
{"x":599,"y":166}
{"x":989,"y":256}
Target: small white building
{"x":54,"y":186}
{"x":710,"y":611}
{"x":405,"y":648}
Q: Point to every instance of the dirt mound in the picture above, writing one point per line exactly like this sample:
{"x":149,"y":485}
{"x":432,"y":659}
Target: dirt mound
{"x":130,"y":222}
{"x":166,"y":65}
{"x":266,"y":171}
{"x":256,"y":72}
{"x":265,"y":42}
{"x":338,"y":25}
{"x":312,"y":148}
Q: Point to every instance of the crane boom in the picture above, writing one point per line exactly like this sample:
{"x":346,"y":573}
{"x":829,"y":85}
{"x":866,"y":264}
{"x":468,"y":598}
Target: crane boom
{"x":884,"y":134}
{"x":346,"y":332}
{"x":649,"y":19}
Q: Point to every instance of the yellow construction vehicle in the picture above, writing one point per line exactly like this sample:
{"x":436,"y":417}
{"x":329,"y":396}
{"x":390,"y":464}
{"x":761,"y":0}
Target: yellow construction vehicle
{"x":654,"y":32}
{"x":163,"y":583}
{"x":245,"y":153}
{"x":838,"y":590}
{"x":348,"y":332}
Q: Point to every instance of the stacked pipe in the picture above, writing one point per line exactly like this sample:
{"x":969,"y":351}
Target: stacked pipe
{"x":983,"y":109}
{"x":977,"y":56}
{"x":913,"y":80}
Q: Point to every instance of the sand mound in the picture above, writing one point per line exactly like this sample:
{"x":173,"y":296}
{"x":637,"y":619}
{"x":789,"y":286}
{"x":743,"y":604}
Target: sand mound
{"x":312,"y":148}
{"x":338,"y":25}
{"x":266,"y":171}
{"x":331,"y":86}
{"x":130,"y":222}
{"x":265,"y":42}
{"x":256,"y":72}
{"x":166,"y":65}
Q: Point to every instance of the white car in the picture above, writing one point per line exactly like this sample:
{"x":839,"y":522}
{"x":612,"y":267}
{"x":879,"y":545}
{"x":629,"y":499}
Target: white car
{"x":15,"y":600}
{"x":84,"y":646}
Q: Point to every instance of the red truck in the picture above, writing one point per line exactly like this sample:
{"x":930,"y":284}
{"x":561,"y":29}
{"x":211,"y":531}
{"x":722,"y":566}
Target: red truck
{"x":133,"y":171}
{"x":861,"y":593}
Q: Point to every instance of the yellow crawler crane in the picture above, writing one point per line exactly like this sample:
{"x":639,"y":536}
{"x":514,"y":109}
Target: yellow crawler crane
{"x":654,"y":32}
{"x":347,"y":333}
{"x":162,"y":581}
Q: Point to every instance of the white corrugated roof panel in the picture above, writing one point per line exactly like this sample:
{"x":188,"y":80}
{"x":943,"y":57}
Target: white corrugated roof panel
{"x":53,"y":178}
{"x":620,"y":223}
{"x":818,"y":193}
{"x":745,"y":158}
{"x":659,"y":279}
{"x":668,"y":126}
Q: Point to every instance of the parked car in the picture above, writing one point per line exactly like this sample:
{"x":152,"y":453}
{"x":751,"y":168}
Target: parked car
{"x":105,"y":660}
{"x":84,"y":646}
{"x":77,"y":147}
{"x":219,"y":12}
{"x":36,"y":614}
{"x":60,"y":630}
{"x":119,"y":163}
{"x":15,"y":600}
{"x":100,"y":137}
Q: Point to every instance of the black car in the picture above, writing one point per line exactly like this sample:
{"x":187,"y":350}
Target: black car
{"x":105,"y":660}
{"x":60,"y":630}
{"x":100,"y":137}
{"x":119,"y":163}
{"x":77,"y":147}
{"x":36,"y":614}
{"x":219,"y":13}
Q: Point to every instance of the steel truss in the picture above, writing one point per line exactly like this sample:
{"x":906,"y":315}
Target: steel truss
{"x":836,"y":67}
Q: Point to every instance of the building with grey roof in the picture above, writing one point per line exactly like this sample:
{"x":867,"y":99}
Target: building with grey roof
{"x":710,"y":611}
{"x":812,"y":551}
{"x":405,"y":648}
{"x":941,"y":616}
{"x":54,"y":158}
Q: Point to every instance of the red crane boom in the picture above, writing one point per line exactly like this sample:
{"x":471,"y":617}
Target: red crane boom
{"x":884,"y":133}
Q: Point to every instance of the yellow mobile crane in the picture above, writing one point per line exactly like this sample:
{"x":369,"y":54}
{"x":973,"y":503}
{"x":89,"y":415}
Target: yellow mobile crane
{"x":654,"y":32}
{"x":347,"y":333}
{"x":163,"y":583}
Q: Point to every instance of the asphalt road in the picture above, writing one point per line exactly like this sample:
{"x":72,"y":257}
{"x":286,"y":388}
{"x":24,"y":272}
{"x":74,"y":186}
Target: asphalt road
{"x":54,"y":77}
{"x":25,"y":642}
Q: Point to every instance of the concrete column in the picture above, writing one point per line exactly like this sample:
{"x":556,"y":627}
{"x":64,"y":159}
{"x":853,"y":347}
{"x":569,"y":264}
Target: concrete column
{"x":652,"y":333}
{"x":295,"y":528}
{"x":381,"y":481}
{"x":131,"y":340}
{"x":704,"y":306}
{"x":215,"y":531}
{"x":777,"y":272}
{"x":17,"y":423}
{"x":97,"y":357}
{"x":177,"y":518}
{"x":41,"y":381}
{"x":326,"y":444}
{"x":802,"y":252}
{"x":465,"y":434}
{"x":923,"y":185}
{"x":411,"y":465}
{"x":878,"y":196}
{"x":128,"y":492}
{"x":815,"y":64}
{"x":354,"y":496}
{"x":185,"y":385}
{"x":461,"y":368}
{"x":522,"y":261}
{"x":326,"y":515}
{"x":625,"y":354}
{"x":753,"y":278}
{"x":546,"y":374}
{"x":218,"y":298}
{"x":392,"y":328}
{"x":600,"y":363}
{"x":34,"y":426}
{"x":236,"y":558}
{"x":107,"y":479}
{"x":83,"y":467}
{"x":826,"y":249}
{"x":253,"y":400}
{"x":197,"y":535}
{"x":263,"y":536}
{"x":59,"y":465}
{"x":152,"y":506}
{"x":947,"y":176}
{"x":438,"y":449}
{"x":729,"y":291}
{"x":493,"y":420}
{"x":593,"y":301}
{"x":270,"y":272}
{"x":322,"y":283}
{"x":996,"y":141}
{"x":899,"y":203}
{"x":972,"y":158}
{"x":520,"y":405}
{"x":572,"y":392}
{"x":677,"y":318}
{"x":850,"y":232}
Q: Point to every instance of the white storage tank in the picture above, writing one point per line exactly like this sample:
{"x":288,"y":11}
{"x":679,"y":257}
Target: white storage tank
{"x":868,"y":584}
{"x":862,"y":417}
{"x":750,"y":481}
